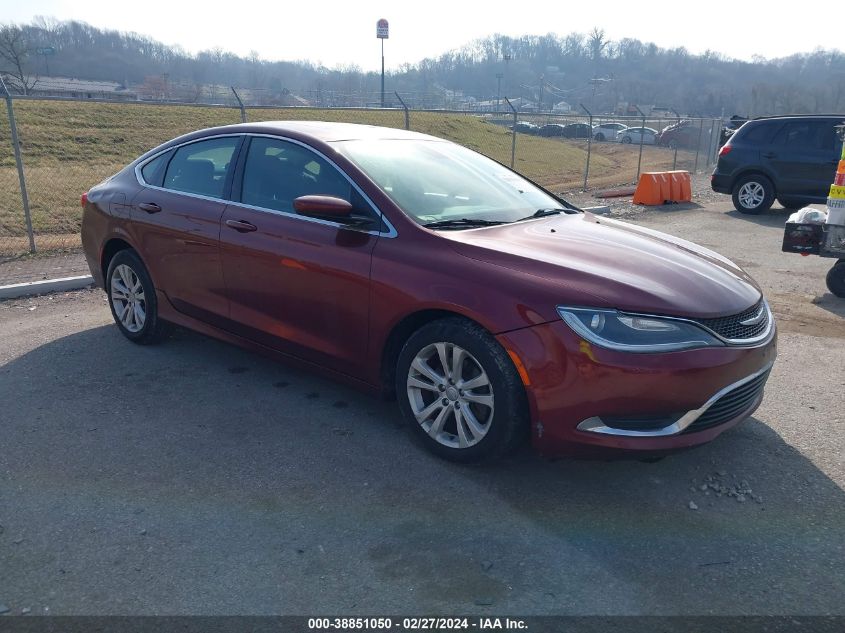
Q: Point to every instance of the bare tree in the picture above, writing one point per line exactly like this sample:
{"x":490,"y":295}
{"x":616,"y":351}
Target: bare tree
{"x":14,"y":51}
{"x":596,"y":43}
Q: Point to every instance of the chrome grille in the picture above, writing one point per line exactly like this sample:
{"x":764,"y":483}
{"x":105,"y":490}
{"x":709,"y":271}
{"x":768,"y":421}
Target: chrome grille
{"x":731,"y":327}
{"x":730,"y":405}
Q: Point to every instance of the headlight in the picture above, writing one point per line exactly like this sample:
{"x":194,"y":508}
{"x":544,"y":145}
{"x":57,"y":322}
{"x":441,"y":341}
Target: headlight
{"x":635,"y":333}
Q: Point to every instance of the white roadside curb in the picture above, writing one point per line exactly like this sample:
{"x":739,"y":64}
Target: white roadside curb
{"x":44,"y":286}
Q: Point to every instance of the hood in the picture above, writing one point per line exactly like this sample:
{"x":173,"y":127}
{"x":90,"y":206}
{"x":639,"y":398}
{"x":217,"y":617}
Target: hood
{"x":597,"y":262}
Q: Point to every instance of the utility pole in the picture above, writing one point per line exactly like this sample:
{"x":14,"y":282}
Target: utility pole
{"x":498,"y":89}
{"x":540,"y":97}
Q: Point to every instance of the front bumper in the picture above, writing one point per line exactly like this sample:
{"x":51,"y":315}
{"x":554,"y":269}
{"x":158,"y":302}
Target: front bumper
{"x":586,"y":400}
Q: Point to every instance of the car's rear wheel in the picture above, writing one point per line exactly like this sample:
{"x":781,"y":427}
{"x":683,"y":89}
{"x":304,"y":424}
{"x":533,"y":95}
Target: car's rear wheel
{"x":460,"y":392}
{"x":836,"y":279}
{"x":132,"y":299}
{"x":753,"y":194}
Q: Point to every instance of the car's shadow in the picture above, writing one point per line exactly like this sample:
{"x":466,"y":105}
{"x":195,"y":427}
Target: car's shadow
{"x":775,"y":217}
{"x":195,"y":477}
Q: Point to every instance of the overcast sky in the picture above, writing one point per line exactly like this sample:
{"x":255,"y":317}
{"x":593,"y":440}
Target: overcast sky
{"x":339,"y":32}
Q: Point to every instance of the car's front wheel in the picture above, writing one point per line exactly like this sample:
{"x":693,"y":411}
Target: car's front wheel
{"x":460,"y":392}
{"x":836,"y":279}
{"x":599,"y":137}
{"x":626,"y":140}
{"x":753,"y":194}
{"x":132,"y":299}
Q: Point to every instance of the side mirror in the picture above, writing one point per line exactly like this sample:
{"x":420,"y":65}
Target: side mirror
{"x":325,"y":207}
{"x":331,"y":208}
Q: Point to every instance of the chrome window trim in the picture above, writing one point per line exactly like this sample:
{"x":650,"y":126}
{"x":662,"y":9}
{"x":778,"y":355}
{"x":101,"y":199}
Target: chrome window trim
{"x":140,"y":178}
{"x":596,"y":425}
{"x":389,"y":233}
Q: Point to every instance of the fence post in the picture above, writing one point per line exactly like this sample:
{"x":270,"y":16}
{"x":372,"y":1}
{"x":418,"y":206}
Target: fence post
{"x":240,"y":104}
{"x":513,"y":133}
{"x":405,"y":107}
{"x":678,"y":123}
{"x":642,"y":138}
{"x":589,"y":145}
{"x":698,"y":145}
{"x":709,"y":145}
{"x":19,"y":161}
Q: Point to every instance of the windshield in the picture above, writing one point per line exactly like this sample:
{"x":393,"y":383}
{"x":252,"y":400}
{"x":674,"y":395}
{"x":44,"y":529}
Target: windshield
{"x":436,"y":181}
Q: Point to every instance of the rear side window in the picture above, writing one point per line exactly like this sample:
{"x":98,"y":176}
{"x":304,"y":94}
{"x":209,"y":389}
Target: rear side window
{"x":760,"y":133}
{"x":808,"y":135}
{"x":201,"y":167}
{"x":153,"y":171}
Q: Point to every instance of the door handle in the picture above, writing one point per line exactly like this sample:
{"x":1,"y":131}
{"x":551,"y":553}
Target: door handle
{"x":241,"y":226}
{"x":149,"y":207}
{"x":769,"y":155}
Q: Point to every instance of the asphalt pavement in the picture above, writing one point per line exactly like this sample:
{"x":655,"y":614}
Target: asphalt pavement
{"x":197,"y":478}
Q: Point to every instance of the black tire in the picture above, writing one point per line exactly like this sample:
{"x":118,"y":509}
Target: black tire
{"x":836,"y":279}
{"x":599,"y":137}
{"x":152,"y":329}
{"x":626,"y":140}
{"x":758,"y":183}
{"x":506,"y":426}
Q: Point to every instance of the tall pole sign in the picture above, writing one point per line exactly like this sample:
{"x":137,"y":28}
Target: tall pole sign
{"x":382,"y":34}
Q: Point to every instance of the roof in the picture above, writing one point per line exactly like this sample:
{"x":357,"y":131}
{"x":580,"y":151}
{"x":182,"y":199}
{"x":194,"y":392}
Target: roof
{"x":70,"y":84}
{"x":328,"y":131}
{"x":800,"y":116}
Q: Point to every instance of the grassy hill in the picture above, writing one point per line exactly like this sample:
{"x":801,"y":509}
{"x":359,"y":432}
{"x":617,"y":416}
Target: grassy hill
{"x":70,"y":146}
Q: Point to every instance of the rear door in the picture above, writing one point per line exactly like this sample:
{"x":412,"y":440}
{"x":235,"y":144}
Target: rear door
{"x":298,"y":284}
{"x":176,"y":218}
{"x":803,"y":156}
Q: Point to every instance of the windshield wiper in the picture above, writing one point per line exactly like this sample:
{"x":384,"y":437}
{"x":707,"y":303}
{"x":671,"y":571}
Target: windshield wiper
{"x":461,"y":223}
{"x":541,"y":213}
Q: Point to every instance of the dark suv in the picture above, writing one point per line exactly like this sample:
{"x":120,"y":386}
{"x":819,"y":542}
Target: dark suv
{"x":791,"y":158}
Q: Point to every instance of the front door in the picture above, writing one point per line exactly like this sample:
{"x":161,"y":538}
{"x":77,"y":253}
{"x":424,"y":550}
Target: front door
{"x":297,"y":284}
{"x":804,"y":155}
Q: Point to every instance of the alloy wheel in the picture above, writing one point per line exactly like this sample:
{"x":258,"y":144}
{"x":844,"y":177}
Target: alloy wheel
{"x":127,"y":297}
{"x":451,"y":395}
{"x":751,"y":195}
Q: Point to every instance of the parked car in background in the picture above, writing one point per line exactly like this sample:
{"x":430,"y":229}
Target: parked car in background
{"x":605,"y":131}
{"x":633,"y":135}
{"x":577,"y":130}
{"x":524,"y":127}
{"x":789,"y":158}
{"x":683,"y":134}
{"x":551,"y":129}
{"x":412,"y":267}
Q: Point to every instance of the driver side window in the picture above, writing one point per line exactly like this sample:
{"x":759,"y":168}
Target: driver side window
{"x":277,"y":172}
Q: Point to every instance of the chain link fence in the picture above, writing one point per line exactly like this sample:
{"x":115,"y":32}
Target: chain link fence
{"x":67,"y":146}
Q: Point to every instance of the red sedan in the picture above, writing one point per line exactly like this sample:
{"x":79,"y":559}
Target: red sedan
{"x":416,"y":268}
